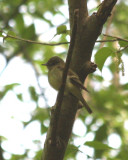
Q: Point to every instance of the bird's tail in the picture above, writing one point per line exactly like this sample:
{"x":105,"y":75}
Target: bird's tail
{"x":86,"y":105}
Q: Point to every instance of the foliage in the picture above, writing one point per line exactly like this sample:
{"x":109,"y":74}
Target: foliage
{"x":101,"y":56}
{"x":109,"y":102}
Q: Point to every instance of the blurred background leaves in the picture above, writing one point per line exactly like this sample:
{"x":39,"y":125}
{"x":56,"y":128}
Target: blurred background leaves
{"x":23,"y":78}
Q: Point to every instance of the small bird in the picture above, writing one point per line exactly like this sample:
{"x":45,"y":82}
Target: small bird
{"x":73,"y":85}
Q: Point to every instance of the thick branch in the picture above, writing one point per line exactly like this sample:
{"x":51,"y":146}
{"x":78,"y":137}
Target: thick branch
{"x":83,"y":11}
{"x":88,"y":35}
{"x":55,"y":145}
{"x":61,"y":91}
{"x":105,"y":10}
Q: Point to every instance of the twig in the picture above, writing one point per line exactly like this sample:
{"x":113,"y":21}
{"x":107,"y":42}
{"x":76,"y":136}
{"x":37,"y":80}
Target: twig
{"x":61,"y":43}
{"x":61,"y":91}
{"x":116,"y":38}
{"x":104,"y":10}
{"x":30,"y":41}
{"x":109,"y":40}
{"x":122,"y":49}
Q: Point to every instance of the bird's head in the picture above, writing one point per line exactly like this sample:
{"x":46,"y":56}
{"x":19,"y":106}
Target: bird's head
{"x":53,"y":62}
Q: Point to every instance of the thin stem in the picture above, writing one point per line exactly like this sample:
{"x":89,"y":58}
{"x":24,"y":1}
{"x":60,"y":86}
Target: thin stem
{"x":116,"y":38}
{"x":61,"y":43}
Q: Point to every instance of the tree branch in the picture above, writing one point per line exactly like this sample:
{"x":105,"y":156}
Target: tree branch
{"x":61,"y":91}
{"x":61,"y":43}
{"x":104,"y":10}
{"x":116,"y":38}
{"x":108,"y":25}
{"x":30,"y":41}
{"x":54,"y":143}
{"x":83,"y":11}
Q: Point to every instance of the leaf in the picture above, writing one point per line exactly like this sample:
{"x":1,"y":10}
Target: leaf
{"x":7,"y":88}
{"x":20,"y":97}
{"x":10,"y":33}
{"x":2,"y":138}
{"x":10,"y":86}
{"x":1,"y":34}
{"x":97,"y":145}
{"x":19,"y":23}
{"x":102,"y":130}
{"x":125,"y":86}
{"x":33,"y":94}
{"x":123,"y":43}
{"x":68,"y":32}
{"x":61,"y":29}
{"x":39,"y":62}
{"x":38,"y":155}
{"x":29,"y":32}
{"x":98,"y":78}
{"x":71,"y":151}
{"x":40,"y":114}
{"x":102,"y":55}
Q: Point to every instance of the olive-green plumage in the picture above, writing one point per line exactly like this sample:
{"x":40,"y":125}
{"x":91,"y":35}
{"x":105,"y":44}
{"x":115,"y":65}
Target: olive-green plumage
{"x":73,"y":85}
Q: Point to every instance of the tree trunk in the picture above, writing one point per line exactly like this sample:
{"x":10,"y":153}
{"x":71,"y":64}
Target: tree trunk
{"x":89,"y":28}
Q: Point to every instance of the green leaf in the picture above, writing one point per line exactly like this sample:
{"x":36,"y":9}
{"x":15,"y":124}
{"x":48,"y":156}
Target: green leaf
{"x":40,"y":114}
{"x":98,"y":78}
{"x":7,"y":88}
{"x":19,"y":96}
{"x":2,"y":138}
{"x":39,"y":62}
{"x":123,"y":43}
{"x":33,"y":94}
{"x":102,"y":55}
{"x":19,"y":23}
{"x":68,"y":32}
{"x":125,"y":86}
{"x":10,"y":86}
{"x":38,"y":155}
{"x":10,"y":33}
{"x":29,"y":32}
{"x":61,"y":29}
{"x":1,"y":34}
{"x":71,"y":151}
{"x":97,"y":145}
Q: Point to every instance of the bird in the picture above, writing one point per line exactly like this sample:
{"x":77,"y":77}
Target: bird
{"x":73,"y":85}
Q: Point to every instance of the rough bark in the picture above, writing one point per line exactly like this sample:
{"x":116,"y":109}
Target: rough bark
{"x":89,"y":28}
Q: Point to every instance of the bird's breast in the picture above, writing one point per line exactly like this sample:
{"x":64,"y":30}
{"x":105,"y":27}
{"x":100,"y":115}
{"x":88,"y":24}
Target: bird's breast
{"x":54,"y":78}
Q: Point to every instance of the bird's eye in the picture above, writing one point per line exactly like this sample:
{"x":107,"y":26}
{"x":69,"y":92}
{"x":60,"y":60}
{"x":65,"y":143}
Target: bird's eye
{"x":52,"y":64}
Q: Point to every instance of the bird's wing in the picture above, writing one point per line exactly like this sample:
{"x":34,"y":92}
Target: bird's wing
{"x":74,"y":78}
{"x":76,"y":81}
